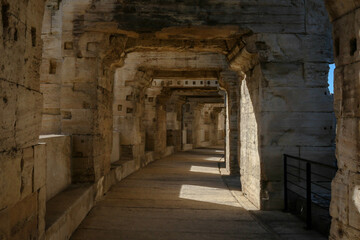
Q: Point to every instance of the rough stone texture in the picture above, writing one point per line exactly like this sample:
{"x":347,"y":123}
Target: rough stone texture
{"x":108,"y":76}
{"x":21,"y":206}
{"x":23,"y":203}
{"x":207,"y":125}
{"x":250,"y":170}
{"x":345,"y":204}
{"x":40,"y":166}
{"x":290,"y":43}
{"x":230,"y":81}
{"x":58,"y":163}
{"x":66,"y":211}
{"x":19,"y":76}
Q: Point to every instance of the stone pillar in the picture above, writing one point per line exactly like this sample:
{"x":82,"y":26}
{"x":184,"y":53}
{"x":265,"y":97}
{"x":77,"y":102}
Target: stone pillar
{"x":214,"y":125}
{"x":132,"y":115}
{"x":149,"y":118}
{"x":174,"y":116}
{"x":196,"y":124}
{"x":178,"y":135}
{"x":345,"y":198}
{"x":230,"y":81}
{"x":187,"y":123}
{"x":285,"y":108}
{"x":160,"y":134}
{"x":220,"y":128}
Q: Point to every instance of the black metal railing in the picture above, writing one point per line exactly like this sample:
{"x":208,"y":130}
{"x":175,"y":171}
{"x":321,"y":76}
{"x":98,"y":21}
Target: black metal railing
{"x":310,"y":180}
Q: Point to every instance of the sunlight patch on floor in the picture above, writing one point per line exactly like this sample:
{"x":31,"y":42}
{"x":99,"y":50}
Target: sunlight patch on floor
{"x":207,"y":194}
{"x":201,"y":169}
{"x":212,"y":159}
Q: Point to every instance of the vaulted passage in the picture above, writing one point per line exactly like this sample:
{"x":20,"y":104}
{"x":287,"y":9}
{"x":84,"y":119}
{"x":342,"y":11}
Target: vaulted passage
{"x":185,"y":197}
{"x":97,"y":96}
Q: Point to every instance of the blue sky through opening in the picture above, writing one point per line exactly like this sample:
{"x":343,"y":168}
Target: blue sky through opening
{"x":331,"y":78}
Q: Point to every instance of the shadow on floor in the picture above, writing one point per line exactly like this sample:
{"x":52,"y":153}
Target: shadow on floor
{"x":183,"y":196}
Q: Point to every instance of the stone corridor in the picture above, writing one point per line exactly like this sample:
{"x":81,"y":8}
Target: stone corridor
{"x":104,"y":105}
{"x":184,"y":196}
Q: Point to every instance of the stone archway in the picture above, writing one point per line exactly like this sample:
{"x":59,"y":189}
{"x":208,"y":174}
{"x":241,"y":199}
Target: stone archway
{"x":276,"y":40}
{"x":271,"y":58}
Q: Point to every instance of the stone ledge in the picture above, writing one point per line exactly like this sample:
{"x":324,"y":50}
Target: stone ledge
{"x":51,"y":136}
{"x":65,"y":211}
{"x":187,"y":147}
{"x":119,"y":170}
{"x":58,"y":163}
{"x":149,"y":157}
{"x":169,"y":150}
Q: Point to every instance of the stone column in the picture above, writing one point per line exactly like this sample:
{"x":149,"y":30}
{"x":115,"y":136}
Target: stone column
{"x":187,"y":123}
{"x":285,"y":108}
{"x":214,"y":125}
{"x":174,"y":117}
{"x":345,"y":198}
{"x":196,"y":124}
{"x":160,"y":134}
{"x":230,"y":82}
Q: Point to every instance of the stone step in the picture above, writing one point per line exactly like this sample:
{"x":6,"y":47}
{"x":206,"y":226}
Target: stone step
{"x":66,"y":210}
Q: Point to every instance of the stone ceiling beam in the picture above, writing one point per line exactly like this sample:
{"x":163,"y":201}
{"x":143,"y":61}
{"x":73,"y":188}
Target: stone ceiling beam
{"x":198,"y":74}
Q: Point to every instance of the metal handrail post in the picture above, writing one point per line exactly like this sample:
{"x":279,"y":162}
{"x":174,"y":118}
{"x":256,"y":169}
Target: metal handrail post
{"x":308,"y":196}
{"x":286,"y":207}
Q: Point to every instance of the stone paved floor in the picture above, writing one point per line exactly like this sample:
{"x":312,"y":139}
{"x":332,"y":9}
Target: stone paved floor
{"x":184,"y":197}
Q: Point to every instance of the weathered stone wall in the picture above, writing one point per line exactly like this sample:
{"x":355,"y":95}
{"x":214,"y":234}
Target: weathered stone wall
{"x":22,"y":159}
{"x":76,"y":95}
{"x":160,"y":133}
{"x":291,"y":74}
{"x":58,"y":163}
{"x":149,"y":118}
{"x":173,"y":122}
{"x":221,"y":128}
{"x":279,"y":95}
{"x":128,"y":107}
{"x":230,"y":81}
{"x":188,"y":121}
{"x":86,"y":41}
{"x":205,"y":125}
{"x":345,"y":203}
{"x":293,"y":36}
{"x":250,"y":164}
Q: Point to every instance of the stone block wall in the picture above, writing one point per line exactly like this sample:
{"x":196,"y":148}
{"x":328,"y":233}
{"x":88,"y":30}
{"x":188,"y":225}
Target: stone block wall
{"x":77,"y":83}
{"x":22,"y":159}
{"x":86,"y":42}
{"x":188,"y":117}
{"x":76,"y":98}
{"x":291,"y":107}
{"x":230,"y":81}
{"x":58,"y":163}
{"x":250,"y":164}
{"x":173,"y":122}
{"x":149,"y":118}
{"x":345,"y":203}
{"x":205,"y":122}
